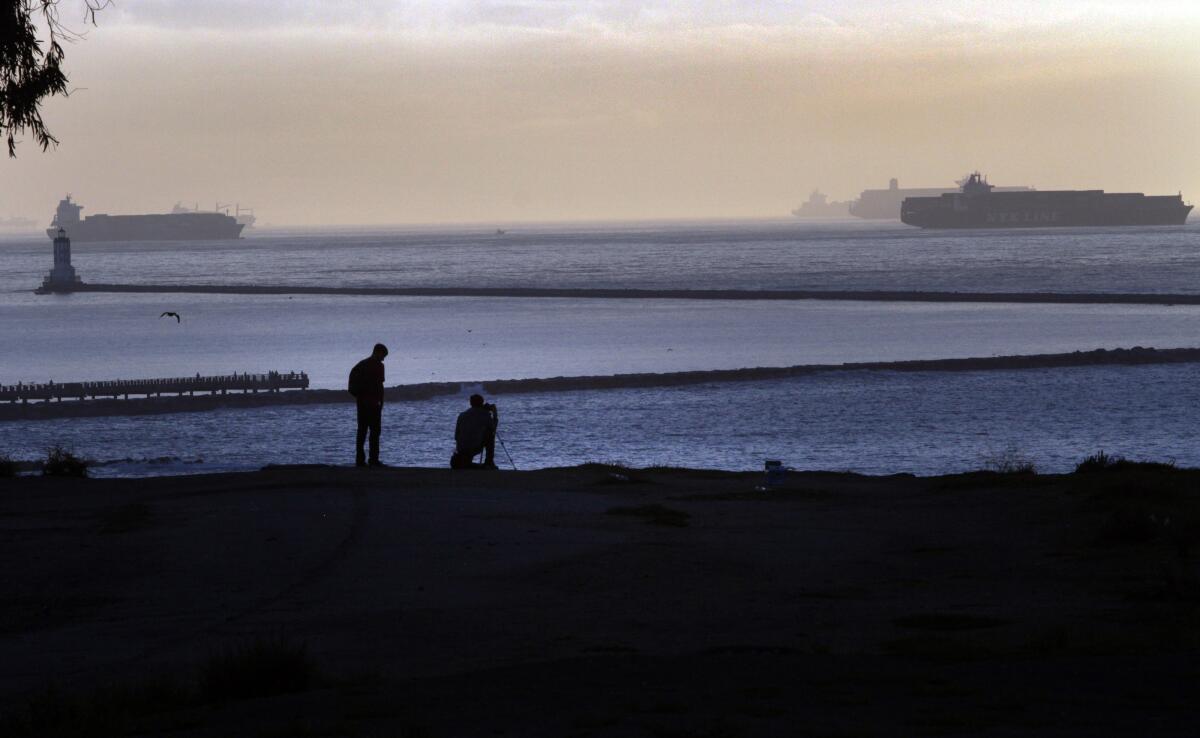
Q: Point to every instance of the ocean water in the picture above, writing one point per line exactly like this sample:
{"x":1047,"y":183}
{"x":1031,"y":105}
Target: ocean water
{"x":869,"y":422}
{"x":853,"y":420}
{"x":783,"y":254}
{"x":109,"y":336}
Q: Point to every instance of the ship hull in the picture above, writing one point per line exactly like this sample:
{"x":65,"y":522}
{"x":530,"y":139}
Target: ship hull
{"x":1083,"y":208}
{"x":164,"y":227}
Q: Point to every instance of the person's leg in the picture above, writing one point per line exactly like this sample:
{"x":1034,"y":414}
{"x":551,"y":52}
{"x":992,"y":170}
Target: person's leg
{"x":376,"y":428}
{"x":360,"y":458}
{"x":489,"y":445}
{"x":466,"y":457}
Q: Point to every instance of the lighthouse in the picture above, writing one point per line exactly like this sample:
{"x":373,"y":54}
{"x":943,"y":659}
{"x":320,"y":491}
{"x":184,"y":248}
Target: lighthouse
{"x":62,"y":277}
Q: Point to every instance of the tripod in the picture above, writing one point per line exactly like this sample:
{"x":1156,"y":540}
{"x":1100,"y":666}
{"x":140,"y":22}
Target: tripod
{"x":506,"y":453}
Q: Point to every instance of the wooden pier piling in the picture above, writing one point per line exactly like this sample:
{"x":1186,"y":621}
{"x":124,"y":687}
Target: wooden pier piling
{"x":178,"y":386}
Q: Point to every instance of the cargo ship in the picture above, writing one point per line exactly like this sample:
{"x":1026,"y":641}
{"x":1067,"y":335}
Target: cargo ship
{"x":885,"y":204}
{"x":977,"y":205}
{"x":151,"y":227}
{"x":819,"y":206}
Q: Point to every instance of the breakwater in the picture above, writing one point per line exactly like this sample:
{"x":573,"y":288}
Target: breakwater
{"x":1058,"y":298}
{"x":179,"y":386}
{"x":414,"y":392}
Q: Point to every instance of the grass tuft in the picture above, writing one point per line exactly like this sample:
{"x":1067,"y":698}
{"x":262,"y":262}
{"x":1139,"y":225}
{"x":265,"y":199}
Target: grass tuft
{"x":1009,"y":461}
{"x":62,"y":463}
{"x":1102,"y":462}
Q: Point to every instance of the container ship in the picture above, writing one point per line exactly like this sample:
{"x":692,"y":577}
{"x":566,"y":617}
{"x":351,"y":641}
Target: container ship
{"x":819,"y":206}
{"x":152,"y":227}
{"x":885,"y":204}
{"x":977,"y":205}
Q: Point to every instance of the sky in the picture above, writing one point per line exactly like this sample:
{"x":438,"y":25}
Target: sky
{"x":332,"y":112}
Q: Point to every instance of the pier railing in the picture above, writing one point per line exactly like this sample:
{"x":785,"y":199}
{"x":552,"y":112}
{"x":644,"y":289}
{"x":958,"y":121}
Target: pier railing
{"x":123,"y":388}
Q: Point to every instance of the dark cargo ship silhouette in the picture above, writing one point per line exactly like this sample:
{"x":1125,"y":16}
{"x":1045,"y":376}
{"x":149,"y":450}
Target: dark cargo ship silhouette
{"x":977,"y":206}
{"x":153,"y":227}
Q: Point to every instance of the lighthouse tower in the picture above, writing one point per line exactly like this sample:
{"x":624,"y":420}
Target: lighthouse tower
{"x":62,"y":277}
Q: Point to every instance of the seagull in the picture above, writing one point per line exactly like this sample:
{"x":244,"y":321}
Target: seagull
{"x":173,"y":315}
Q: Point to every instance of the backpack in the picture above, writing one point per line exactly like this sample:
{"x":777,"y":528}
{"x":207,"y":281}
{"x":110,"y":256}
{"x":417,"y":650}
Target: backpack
{"x":355,"y":382}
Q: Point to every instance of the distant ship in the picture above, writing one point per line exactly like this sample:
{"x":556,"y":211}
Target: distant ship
{"x":818,"y":206}
{"x":979,"y":205}
{"x":885,"y":204}
{"x":176,"y":226}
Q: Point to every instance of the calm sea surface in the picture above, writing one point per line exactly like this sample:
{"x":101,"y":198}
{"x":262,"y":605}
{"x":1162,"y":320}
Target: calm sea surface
{"x":876,"y":422}
{"x":736,"y":255}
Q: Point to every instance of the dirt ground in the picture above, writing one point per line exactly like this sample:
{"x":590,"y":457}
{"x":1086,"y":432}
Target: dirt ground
{"x":596,"y":601}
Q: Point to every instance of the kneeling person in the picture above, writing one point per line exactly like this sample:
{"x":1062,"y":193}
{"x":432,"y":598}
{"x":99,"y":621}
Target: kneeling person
{"x":475,"y":432}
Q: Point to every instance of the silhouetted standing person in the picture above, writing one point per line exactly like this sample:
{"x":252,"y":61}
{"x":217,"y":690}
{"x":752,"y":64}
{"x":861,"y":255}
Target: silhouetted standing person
{"x":366,"y":384}
{"x":475,"y":431}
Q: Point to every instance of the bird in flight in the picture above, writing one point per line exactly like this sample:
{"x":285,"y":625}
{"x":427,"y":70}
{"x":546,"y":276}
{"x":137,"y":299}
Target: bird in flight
{"x":171,"y":314}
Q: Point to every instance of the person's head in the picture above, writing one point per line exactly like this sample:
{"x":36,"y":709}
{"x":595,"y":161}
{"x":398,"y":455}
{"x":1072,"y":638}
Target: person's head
{"x":476,"y":400}
{"x":379,"y":352}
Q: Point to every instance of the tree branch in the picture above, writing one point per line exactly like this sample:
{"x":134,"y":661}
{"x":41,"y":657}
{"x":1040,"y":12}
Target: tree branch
{"x":31,"y":68}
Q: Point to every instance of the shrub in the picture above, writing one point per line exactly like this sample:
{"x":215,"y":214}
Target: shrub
{"x":262,"y":668}
{"x":62,"y":463}
{"x":1100,"y":462}
{"x":1009,"y":461}
{"x":8,"y":467}
{"x":1096,"y":462}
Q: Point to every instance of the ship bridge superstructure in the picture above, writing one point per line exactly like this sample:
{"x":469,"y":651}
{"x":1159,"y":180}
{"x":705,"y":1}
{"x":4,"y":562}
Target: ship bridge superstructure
{"x":67,"y":214}
{"x":976,"y":184}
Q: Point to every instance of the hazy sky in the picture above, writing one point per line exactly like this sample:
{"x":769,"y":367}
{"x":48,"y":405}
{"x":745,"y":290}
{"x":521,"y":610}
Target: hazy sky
{"x":376,"y":111}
